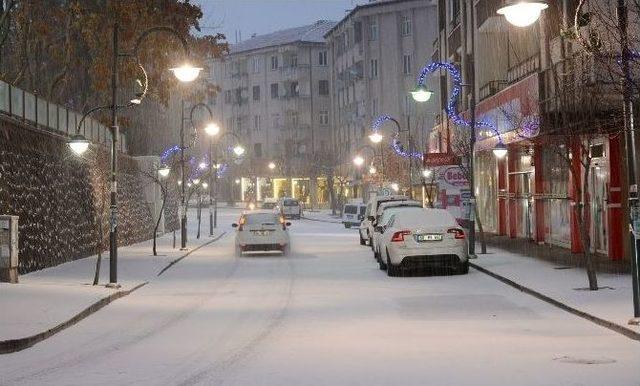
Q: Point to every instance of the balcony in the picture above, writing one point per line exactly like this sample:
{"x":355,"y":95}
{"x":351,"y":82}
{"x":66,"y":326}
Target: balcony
{"x":491,"y":88}
{"x":524,"y":69}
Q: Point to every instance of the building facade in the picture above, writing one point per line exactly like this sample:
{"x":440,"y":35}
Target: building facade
{"x":551,"y":106}
{"x":274,"y":95}
{"x":376,"y":52}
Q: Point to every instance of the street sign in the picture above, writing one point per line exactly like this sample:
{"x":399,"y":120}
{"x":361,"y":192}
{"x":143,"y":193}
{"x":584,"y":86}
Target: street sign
{"x":440,"y":159}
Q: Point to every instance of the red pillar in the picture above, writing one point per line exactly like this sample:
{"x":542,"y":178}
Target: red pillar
{"x":513,"y":191}
{"x":575,"y":180}
{"x":540,"y":230}
{"x":502,"y":197}
{"x":614,"y":213}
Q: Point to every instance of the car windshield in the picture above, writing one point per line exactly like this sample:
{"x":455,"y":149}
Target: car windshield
{"x":363,"y":210}
{"x":350,"y":209}
{"x":291,"y":203}
{"x":260,"y":219}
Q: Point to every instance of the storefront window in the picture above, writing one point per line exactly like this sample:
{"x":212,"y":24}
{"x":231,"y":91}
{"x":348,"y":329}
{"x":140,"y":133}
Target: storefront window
{"x":556,"y":188}
{"x":487,"y":190}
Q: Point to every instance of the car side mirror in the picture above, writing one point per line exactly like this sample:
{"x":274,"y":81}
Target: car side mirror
{"x":287,"y":224}
{"x":234,"y":225}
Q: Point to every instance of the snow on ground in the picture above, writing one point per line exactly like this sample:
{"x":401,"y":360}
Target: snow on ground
{"x":45,"y":298}
{"x":613,"y":302}
{"x":325,"y":315}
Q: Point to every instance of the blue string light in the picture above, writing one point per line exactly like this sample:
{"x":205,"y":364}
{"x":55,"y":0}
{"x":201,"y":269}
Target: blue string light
{"x":396,"y":145}
{"x":168,"y":153}
{"x":451,"y":107}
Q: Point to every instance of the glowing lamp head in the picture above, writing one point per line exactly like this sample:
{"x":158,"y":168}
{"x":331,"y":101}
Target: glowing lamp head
{"x":500,"y":151}
{"x":212,"y":129}
{"x":372,"y":170}
{"x":523,"y":13}
{"x":196,"y":181}
{"x":186,"y":73}
{"x":375,"y":137}
{"x":272,"y":165}
{"x":189,"y":184}
{"x":252,"y":206}
{"x":358,"y":161}
{"x":421,"y":93}
{"x":136,"y":101}
{"x":205,"y":185}
{"x":237,"y":181}
{"x":203,"y":165}
{"x":164,"y":170}
{"x":426,"y":173}
{"x":395,"y":187}
{"x":78,"y":144}
{"x":238,"y":150}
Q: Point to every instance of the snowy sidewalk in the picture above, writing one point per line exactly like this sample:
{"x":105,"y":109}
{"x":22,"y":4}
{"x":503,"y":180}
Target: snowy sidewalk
{"x":613,"y":302}
{"x":44,"y":299}
{"x":323,"y":215}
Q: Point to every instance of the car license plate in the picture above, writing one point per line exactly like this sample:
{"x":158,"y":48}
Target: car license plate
{"x":261,"y":233}
{"x":433,"y":237}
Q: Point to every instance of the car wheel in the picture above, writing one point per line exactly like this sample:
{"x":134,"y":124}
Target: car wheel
{"x":392,"y":270}
{"x":381,"y":264}
{"x":371,"y":243}
{"x":347,"y":226}
{"x":463,"y":268}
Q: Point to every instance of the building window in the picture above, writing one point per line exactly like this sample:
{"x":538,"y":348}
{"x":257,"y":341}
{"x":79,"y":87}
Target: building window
{"x":324,"y":117}
{"x":406,"y":64}
{"x":256,"y":93}
{"x":274,"y":63}
{"x":293,"y":61}
{"x":374,"y":68}
{"x":373,"y":29}
{"x":227,"y":96}
{"x":454,"y":15}
{"x":323,"y":87}
{"x":405,"y":26}
{"x":256,"y":123}
{"x":294,"y":89}
{"x":230,"y":124}
{"x":322,"y":58}
{"x":257,"y":150}
{"x":274,"y":90}
{"x":275,"y":120}
{"x":257,"y":64}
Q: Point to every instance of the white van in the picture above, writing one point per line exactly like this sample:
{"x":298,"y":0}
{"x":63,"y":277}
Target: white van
{"x":353,"y":214}
{"x":290,"y":207}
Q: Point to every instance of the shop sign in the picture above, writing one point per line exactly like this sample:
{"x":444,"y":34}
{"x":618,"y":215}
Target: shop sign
{"x":440,"y":159}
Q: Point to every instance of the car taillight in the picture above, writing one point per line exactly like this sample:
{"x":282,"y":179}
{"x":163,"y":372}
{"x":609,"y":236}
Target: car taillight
{"x":457,"y":233}
{"x":399,"y":236}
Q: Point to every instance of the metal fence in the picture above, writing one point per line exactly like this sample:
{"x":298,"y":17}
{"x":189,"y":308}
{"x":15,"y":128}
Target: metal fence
{"x":49,"y":116}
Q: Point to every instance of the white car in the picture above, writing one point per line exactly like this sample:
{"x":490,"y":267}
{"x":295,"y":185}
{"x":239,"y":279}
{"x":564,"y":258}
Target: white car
{"x":261,"y":231}
{"x":385,"y":211}
{"x":421,"y":239}
{"x":366,"y":227}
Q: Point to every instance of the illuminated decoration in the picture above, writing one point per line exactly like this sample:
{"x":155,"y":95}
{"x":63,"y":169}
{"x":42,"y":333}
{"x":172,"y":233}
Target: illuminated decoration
{"x":164,"y":170}
{"x":168,"y":153}
{"x":500,"y":151}
{"x":395,"y":187}
{"x":272,"y":165}
{"x":358,"y":160}
{"x":205,"y":185}
{"x":238,"y":150}
{"x":522,"y":13}
{"x":421,"y":93}
{"x":451,"y":107}
{"x":372,"y":169}
{"x":222,"y":169}
{"x":426,"y":173}
{"x":395,"y":143}
{"x":375,"y":137}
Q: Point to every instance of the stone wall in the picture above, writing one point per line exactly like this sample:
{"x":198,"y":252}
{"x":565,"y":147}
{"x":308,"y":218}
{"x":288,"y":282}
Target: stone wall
{"x":62,"y":199}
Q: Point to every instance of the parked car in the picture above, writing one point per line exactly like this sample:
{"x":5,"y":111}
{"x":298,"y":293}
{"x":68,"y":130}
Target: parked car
{"x":422,"y":239}
{"x":269,"y":203}
{"x":353,"y":214}
{"x":290,"y":208}
{"x":385,"y":211}
{"x":366,"y":227}
{"x":261,"y":231}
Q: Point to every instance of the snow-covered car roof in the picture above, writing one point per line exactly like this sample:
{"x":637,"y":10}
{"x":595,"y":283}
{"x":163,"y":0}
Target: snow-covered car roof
{"x":398,"y":203}
{"x":425,"y":217}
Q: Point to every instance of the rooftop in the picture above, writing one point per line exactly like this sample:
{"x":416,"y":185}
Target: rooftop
{"x":313,"y":33}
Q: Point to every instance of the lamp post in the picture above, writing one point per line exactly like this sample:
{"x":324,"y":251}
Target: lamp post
{"x":78,"y":143}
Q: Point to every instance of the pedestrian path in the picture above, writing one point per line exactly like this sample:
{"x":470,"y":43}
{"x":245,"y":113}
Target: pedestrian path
{"x":44,"y":299}
{"x":613,"y":302}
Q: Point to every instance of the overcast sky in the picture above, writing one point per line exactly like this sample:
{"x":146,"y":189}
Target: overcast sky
{"x":264,"y":16}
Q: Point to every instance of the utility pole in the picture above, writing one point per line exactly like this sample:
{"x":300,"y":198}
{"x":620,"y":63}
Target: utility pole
{"x":113,"y":208}
{"x":183,"y":185}
{"x":630,"y":144}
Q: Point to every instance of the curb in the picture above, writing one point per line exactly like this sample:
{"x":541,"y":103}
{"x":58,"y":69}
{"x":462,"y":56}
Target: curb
{"x":14,"y":345}
{"x":173,"y":262}
{"x":629,"y":333}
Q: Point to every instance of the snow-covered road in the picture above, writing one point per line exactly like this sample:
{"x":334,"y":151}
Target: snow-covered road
{"x":325,"y":315}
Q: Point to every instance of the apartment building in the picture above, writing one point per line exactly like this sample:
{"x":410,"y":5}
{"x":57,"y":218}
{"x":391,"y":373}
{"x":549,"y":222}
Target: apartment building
{"x":376,"y":53}
{"x":274,"y":94}
{"x":532,"y":87}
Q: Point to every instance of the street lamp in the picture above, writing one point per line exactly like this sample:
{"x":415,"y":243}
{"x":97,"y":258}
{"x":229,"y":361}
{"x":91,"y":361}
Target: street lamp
{"x":421,"y":93}
{"x":375,"y":137}
{"x":358,"y":160}
{"x":212,"y":129}
{"x":500,"y":151}
{"x":205,"y":185}
{"x":186,"y":73}
{"x":238,"y":150}
{"x":196,"y":181}
{"x":164,"y":170}
{"x":426,"y":173}
{"x":272,"y":165}
{"x":522,"y":13}
{"x":78,"y":144}
{"x":395,"y":187}
{"x":372,"y":170}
